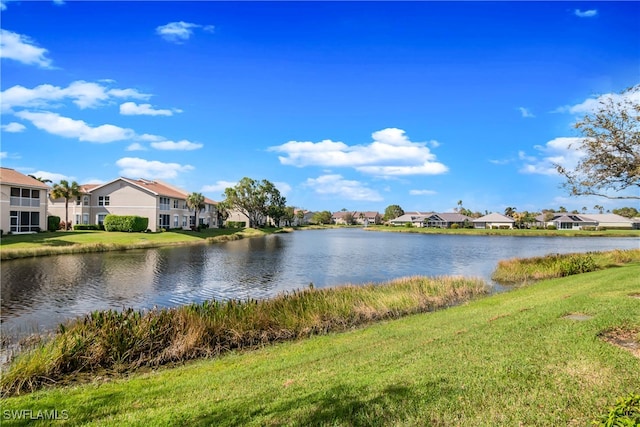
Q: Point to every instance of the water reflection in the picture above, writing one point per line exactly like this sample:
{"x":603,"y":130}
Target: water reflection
{"x":39,"y":293}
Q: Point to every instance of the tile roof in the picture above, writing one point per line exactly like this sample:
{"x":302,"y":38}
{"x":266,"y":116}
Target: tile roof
{"x":494,"y":217}
{"x":11,"y":176}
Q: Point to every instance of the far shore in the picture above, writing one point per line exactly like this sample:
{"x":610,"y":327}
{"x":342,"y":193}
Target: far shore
{"x":87,"y":241}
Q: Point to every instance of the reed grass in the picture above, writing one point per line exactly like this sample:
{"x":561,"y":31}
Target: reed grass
{"x":522,"y":270}
{"x":127,"y":340}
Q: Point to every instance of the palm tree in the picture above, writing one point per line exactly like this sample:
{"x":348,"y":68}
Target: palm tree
{"x":65,"y":191}
{"x":510,"y":211}
{"x":195,"y":201}
{"x":41,"y":179}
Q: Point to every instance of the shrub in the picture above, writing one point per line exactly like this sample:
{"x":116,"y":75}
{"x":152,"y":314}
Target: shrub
{"x":53,"y":223}
{"x":551,"y":227}
{"x":127,"y":223}
{"x":88,"y":227}
{"x":455,"y":226}
{"x":626,"y":412}
{"x":576,"y":264}
{"x":236,"y":224}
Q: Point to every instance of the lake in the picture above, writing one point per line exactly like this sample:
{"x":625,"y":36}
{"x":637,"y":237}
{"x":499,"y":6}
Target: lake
{"x":39,"y":293}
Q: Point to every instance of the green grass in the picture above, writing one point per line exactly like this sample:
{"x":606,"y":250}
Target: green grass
{"x":65,"y":242}
{"x":514,"y":232}
{"x":506,"y":360}
{"x":519,"y":270}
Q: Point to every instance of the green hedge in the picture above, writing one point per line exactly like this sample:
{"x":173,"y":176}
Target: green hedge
{"x":53,"y":223}
{"x":237,"y":224}
{"x":129,"y":223}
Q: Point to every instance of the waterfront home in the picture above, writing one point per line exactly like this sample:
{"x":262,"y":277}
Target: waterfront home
{"x":494,"y":220}
{"x":567,"y":221}
{"x":362,"y":218}
{"x":432,"y":219}
{"x":165,"y":205}
{"x":23,"y":202}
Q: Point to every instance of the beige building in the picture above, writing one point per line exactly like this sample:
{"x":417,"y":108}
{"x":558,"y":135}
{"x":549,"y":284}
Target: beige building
{"x":23,"y":203}
{"x":164,"y":204}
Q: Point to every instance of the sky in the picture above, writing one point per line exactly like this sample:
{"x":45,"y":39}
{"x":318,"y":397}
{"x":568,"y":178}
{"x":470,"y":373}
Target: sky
{"x":342,"y":105}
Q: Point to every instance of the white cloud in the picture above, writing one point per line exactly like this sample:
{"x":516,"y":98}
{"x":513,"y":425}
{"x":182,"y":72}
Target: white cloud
{"x":390,"y":153}
{"x":151,"y":138}
{"x":183,"y":145}
{"x":140,"y":168}
{"x":21,"y":48}
{"x":136,"y":147}
{"x":3,"y":154}
{"x":525,"y":112}
{"x":585,"y":13}
{"x":218,"y":187}
{"x":179,"y":32}
{"x":13,"y":127}
{"x":133,"y":109}
{"x":337,"y":186}
{"x":55,"y":124}
{"x":562,"y":151}
{"x":53,"y":176}
{"x":592,"y":104}
{"x":282,"y":187}
{"x":422,"y":192}
{"x":83,"y":94}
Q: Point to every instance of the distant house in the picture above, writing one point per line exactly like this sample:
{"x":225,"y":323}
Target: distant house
{"x":362,"y":218}
{"x":493,"y":220}
{"x":306,"y":219}
{"x":566,"y":221}
{"x":23,"y":202}
{"x":432,"y":219}
{"x":164,"y":205}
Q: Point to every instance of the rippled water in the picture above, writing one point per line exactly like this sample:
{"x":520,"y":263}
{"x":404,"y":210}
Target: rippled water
{"x":39,"y":293}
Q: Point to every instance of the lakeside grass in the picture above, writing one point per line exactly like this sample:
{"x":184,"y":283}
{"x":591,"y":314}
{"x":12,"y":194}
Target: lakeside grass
{"x":509,"y":359}
{"x":522,"y":270}
{"x":513,"y":232}
{"x":86,"y":241}
{"x":128,"y":340}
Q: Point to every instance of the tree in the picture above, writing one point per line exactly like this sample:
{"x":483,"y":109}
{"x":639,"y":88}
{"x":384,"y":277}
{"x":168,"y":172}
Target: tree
{"x":289,"y":215}
{"x":255,"y":199}
{"x":323,"y":217}
{"x":510,"y":211}
{"x":65,"y":191}
{"x":627,"y":212}
{"x":349,"y":218}
{"x":41,"y":179}
{"x":392,"y":212}
{"x":300,"y":216}
{"x":195,"y":201}
{"x":611,"y":146}
{"x":222,"y":213}
{"x":599,"y":208}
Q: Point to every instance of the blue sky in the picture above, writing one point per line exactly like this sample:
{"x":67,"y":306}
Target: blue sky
{"x":354,"y":105}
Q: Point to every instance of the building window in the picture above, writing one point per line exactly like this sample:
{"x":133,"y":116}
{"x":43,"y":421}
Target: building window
{"x":103,"y":200}
{"x":85,"y":200}
{"x":176,"y":204}
{"x":164,"y":221}
{"x":24,"y":197}
{"x":85,"y":218}
{"x":24,"y":222}
{"x":100,"y":218}
{"x":176,"y":221}
{"x":184,"y":221}
{"x":165,"y":203}
{"x":78,"y":201}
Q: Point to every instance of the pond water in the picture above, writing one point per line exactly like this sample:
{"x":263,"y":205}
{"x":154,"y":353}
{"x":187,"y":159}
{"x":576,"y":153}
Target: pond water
{"x":39,"y":293}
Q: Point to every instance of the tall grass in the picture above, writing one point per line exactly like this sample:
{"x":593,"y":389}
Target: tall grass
{"x":124,"y":341}
{"x":519,"y":270}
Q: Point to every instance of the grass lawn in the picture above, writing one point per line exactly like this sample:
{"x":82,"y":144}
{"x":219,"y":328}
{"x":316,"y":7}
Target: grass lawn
{"x":51,"y":243}
{"x":510,"y":359}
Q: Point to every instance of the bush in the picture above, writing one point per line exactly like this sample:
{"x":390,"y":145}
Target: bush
{"x":626,"y":412}
{"x":127,"y":223}
{"x":455,"y":226}
{"x":551,"y":227}
{"x":53,"y":223}
{"x":236,"y":224}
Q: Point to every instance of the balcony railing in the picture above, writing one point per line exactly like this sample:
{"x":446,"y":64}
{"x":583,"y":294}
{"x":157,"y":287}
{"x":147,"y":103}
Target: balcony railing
{"x":24,"y":201}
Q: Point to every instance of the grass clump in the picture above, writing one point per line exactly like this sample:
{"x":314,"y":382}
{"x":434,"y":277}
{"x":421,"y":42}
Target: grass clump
{"x":518,"y":270}
{"x":625,"y":413}
{"x":125,"y":340}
